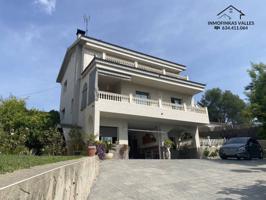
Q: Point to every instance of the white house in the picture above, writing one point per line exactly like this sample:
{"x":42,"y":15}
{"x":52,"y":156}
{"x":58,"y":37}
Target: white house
{"x":127,"y":97}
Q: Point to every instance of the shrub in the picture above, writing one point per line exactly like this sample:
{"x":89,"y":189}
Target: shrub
{"x":123,"y":150}
{"x":213,"y":154}
{"x":206,"y":152}
{"x":168,"y":143}
{"x":91,"y":139}
{"x":14,"y":142}
{"x":76,"y":142}
{"x":28,"y":130}
{"x":53,"y":142}
{"x":109,"y":146}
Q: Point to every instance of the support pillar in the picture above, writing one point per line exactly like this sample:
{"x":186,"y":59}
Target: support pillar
{"x":96,"y":124}
{"x":196,"y":137}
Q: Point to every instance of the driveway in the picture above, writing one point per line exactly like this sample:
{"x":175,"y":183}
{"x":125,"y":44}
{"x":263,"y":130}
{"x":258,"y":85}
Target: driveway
{"x":180,"y":179}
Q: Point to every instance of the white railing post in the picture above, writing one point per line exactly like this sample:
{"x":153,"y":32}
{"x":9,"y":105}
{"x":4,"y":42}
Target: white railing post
{"x":164,"y":72}
{"x":206,"y":111}
{"x":104,"y":55}
{"x":160,"y":102}
{"x":136,"y":64}
{"x":130,"y":98}
{"x":185,"y":107}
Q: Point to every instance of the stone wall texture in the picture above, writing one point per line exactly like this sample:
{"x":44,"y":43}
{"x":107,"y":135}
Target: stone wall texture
{"x":66,"y":182}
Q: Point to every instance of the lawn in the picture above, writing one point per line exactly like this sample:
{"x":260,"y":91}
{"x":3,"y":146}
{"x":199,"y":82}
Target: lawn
{"x":10,"y":163}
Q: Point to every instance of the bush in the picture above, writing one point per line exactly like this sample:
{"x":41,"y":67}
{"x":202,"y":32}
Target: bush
{"x":14,"y":142}
{"x":53,"y":142}
{"x":91,"y":139}
{"x":206,"y":152}
{"x":25,"y":130}
{"x":168,"y":143}
{"x":76,"y":142}
{"x":213,"y":154}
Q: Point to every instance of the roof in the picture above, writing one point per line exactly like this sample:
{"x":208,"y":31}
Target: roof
{"x":160,"y":76}
{"x":138,"y":52}
{"x":69,"y":50}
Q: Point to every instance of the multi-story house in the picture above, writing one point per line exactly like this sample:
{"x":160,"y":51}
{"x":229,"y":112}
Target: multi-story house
{"x":127,"y":97}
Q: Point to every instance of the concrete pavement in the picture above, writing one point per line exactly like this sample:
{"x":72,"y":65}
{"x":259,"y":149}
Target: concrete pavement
{"x":180,"y":179}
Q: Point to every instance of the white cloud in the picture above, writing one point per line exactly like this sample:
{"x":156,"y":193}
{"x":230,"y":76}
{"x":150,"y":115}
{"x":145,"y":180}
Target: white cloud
{"x":47,"y":5}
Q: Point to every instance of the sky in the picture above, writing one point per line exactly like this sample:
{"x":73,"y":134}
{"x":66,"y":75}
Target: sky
{"x":36,"y":33}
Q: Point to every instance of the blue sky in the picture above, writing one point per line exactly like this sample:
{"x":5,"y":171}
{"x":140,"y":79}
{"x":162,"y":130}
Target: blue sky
{"x":36,"y":33}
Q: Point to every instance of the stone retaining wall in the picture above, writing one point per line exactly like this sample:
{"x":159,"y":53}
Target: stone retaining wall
{"x":69,"y":181}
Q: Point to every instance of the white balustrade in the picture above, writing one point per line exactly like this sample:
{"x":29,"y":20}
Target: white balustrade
{"x":173,"y":106}
{"x":120,"y":61}
{"x":149,"y":102}
{"x":138,"y":65}
{"x":113,"y":96}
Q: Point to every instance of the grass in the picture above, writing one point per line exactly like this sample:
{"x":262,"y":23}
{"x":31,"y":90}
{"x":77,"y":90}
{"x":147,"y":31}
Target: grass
{"x":10,"y":163}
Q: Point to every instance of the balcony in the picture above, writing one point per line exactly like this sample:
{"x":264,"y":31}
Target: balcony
{"x":130,"y":105}
{"x":143,"y":67}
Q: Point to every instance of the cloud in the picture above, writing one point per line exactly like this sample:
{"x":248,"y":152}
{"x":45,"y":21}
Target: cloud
{"x":47,"y":5}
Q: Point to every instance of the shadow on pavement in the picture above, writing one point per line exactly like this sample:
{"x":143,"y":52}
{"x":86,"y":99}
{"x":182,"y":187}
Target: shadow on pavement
{"x":255,"y":191}
{"x":250,"y":163}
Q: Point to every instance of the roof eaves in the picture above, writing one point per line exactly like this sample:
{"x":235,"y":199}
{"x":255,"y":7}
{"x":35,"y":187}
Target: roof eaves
{"x":180,"y":66}
{"x":63,"y":65}
{"x":160,"y":76}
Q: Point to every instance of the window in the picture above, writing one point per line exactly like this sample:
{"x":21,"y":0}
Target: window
{"x":84,"y":97}
{"x":65,"y":86}
{"x":176,"y":101}
{"x":142,"y":97}
{"x":108,"y":134}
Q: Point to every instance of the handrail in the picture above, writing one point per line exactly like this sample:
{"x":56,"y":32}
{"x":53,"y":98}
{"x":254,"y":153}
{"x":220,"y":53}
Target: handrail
{"x":196,"y":109}
{"x":149,"y":102}
{"x":112,"y":96}
{"x":142,"y":66}
{"x":173,"y":106}
{"x":119,"y":61}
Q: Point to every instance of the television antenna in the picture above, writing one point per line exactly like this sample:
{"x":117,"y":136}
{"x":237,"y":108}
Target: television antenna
{"x":86,"y":20}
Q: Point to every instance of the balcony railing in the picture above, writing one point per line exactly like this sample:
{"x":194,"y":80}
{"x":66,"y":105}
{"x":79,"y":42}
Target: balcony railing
{"x":142,"y":66}
{"x":148,"y":102}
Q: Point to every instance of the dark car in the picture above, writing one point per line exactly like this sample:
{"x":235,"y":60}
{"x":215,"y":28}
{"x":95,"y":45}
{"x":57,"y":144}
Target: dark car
{"x":241,"y":147}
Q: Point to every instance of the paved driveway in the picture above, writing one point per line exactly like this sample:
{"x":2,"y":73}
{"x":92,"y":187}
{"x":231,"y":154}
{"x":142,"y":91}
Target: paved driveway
{"x":180,"y":179}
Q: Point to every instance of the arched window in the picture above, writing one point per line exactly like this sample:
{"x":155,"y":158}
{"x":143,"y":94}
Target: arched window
{"x":84,"y":96}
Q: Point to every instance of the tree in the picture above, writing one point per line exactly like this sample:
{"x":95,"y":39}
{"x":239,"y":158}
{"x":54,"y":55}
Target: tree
{"x":224,"y":107}
{"x":31,"y":129}
{"x":213,"y":100}
{"x":256,"y":93}
{"x":12,"y":113}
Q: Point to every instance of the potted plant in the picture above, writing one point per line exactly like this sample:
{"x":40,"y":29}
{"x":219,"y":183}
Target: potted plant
{"x":123,"y":151}
{"x":109,"y":146}
{"x":168,"y":144}
{"x":91,"y":145}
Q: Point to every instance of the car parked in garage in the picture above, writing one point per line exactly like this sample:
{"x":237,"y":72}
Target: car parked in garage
{"x":241,"y":147}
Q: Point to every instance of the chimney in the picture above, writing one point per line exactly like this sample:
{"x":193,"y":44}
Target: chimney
{"x":80,"y":33}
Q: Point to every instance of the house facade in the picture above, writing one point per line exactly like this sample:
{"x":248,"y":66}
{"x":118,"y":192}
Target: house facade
{"x":127,"y":97}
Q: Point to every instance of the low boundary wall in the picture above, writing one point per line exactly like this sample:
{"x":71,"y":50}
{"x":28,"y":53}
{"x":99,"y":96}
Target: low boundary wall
{"x":67,"y":181}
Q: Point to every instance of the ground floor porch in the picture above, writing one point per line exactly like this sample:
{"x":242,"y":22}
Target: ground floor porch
{"x":145,"y":137}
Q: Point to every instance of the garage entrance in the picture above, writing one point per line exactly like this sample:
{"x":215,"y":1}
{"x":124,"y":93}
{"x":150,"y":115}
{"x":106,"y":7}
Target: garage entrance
{"x":144,"y":144}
